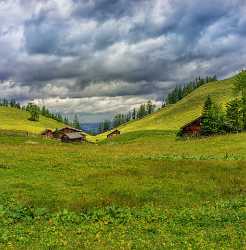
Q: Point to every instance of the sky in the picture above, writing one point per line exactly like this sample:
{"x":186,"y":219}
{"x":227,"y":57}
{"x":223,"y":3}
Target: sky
{"x":97,"y":58}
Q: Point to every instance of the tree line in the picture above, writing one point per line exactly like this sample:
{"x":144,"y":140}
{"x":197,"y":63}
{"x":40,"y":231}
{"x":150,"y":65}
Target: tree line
{"x":10,"y":103}
{"x":180,"y":92}
{"x":134,"y":114}
{"x":35,"y":112}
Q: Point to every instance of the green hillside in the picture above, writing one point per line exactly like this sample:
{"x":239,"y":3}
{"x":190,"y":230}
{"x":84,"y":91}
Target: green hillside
{"x":176,"y":115}
{"x":16,"y":119}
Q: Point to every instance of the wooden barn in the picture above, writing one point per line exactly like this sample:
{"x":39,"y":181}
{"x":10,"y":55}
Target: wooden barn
{"x":58,"y":133}
{"x":72,"y":137}
{"x":47,"y":133}
{"x":193,"y":128}
{"x":113,"y":134}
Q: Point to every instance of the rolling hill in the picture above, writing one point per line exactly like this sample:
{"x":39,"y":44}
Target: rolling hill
{"x":170,"y":118}
{"x":16,"y":119}
{"x":174,"y":116}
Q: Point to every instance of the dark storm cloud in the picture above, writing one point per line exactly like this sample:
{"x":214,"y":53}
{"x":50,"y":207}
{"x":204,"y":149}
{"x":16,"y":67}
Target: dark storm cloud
{"x":104,"y":9}
{"x":86,"y":48}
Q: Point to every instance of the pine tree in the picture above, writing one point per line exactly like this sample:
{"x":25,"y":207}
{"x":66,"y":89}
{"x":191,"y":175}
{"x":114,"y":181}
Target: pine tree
{"x":150,"y":107}
{"x":5,"y":102}
{"x":128,"y":116}
{"x":240,"y":86}
{"x":212,"y":118}
{"x":141,"y":112}
{"x":233,"y":116}
{"x":243,"y":111}
{"x":134,"y":114}
{"x":12,"y":103}
{"x":76,"y":123}
{"x":34,"y":111}
{"x":116,"y":121}
{"x":66,"y":121}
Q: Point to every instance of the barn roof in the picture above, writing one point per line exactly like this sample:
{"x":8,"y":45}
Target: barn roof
{"x":74,"y":129}
{"x":72,"y":136}
{"x":113,"y":132}
{"x":188,"y":124}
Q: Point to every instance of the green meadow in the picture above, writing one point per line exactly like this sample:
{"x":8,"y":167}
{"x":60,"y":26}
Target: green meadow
{"x":142,"y":190}
{"x":145,"y":189}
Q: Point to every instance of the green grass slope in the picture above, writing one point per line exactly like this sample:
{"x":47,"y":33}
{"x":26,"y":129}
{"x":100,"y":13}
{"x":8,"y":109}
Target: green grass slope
{"x":176,"y":115}
{"x":15,"y":119}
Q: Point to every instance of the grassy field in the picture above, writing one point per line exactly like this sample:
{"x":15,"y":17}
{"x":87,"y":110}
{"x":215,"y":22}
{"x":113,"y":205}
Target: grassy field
{"x":142,"y":190}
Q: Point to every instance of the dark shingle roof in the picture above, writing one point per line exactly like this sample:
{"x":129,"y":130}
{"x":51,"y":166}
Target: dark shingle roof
{"x":75,"y":135}
{"x":116,"y":131}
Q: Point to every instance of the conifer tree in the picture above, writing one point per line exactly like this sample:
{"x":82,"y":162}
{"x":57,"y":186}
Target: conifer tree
{"x":141,"y":111}
{"x":240,"y":86}
{"x":34,"y":111}
{"x":134,"y":114}
{"x":150,"y":108}
{"x":212,"y":118}
{"x":76,"y":123}
{"x":233,"y":116}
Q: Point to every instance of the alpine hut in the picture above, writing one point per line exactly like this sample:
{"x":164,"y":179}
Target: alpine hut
{"x":113,"y":134}
{"x":58,"y":133}
{"x":193,"y":128}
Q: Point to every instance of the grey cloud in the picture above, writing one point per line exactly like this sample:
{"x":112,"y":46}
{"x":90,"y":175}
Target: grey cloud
{"x":89,"y":48}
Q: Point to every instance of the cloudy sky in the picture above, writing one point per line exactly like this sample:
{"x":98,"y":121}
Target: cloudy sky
{"x":101,"y":57}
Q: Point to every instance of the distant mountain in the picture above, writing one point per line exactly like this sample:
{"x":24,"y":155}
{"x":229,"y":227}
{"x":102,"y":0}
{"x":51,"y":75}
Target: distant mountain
{"x":92,"y":128}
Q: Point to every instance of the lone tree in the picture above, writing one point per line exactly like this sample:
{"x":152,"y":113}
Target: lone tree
{"x":240,"y":86}
{"x":34,"y":111}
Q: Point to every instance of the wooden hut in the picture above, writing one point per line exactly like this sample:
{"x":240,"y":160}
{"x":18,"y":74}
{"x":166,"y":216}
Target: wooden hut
{"x":58,"y":133}
{"x":193,"y":128}
{"x":113,"y":134}
{"x":47,"y":133}
{"x":72,"y":137}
